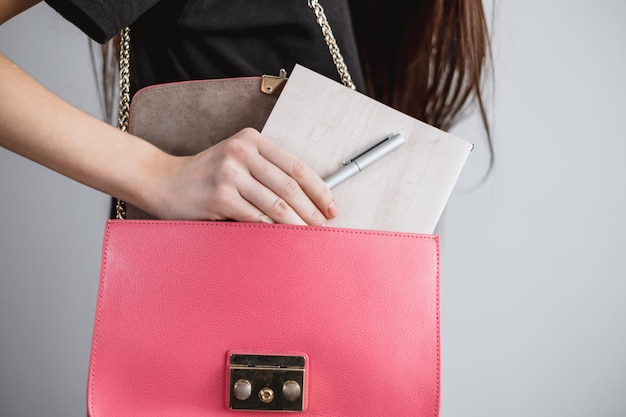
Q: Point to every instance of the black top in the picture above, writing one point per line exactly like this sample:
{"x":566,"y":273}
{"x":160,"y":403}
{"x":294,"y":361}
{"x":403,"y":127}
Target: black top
{"x":177,"y":40}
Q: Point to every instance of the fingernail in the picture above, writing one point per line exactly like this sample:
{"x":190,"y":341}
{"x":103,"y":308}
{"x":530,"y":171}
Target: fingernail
{"x":332,"y":210}
{"x":265,"y":219}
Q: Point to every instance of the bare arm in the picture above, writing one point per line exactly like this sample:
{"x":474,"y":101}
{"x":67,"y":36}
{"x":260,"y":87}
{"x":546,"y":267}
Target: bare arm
{"x":245,"y":178}
{"x":37,"y":124}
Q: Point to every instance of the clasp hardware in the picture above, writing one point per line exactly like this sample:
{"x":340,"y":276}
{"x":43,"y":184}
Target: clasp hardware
{"x":272,"y":84}
{"x":266,"y":382}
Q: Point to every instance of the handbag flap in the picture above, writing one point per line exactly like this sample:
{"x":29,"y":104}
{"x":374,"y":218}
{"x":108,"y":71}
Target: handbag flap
{"x":176,"y":297}
{"x":185,"y":118}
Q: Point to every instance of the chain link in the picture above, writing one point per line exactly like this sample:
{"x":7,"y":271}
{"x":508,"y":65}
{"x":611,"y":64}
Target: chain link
{"x":124,"y":110}
{"x":342,"y":69}
{"x":124,"y":79}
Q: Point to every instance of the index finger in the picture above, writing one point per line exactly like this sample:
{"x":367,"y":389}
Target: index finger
{"x":311,"y":183}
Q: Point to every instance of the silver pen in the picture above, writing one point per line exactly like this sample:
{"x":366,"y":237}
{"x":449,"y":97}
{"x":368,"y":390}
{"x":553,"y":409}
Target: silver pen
{"x":353,"y":166}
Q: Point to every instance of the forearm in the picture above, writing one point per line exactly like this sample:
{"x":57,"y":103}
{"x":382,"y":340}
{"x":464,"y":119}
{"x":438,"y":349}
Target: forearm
{"x":42,"y":127}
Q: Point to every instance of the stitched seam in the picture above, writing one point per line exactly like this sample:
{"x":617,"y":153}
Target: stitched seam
{"x":101,"y":289}
{"x":438,"y":390}
{"x":312,"y":229}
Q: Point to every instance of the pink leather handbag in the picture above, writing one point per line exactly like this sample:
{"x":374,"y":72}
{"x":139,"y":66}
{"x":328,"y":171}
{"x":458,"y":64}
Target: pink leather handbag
{"x":218,"y":318}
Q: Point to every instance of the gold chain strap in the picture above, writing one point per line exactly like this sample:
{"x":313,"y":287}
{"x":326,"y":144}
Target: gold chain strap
{"x":124,"y":109}
{"x":124,"y":79}
{"x":342,"y":69}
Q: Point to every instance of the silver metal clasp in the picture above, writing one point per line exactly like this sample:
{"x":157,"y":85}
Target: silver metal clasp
{"x":266,"y":382}
{"x":271,"y":84}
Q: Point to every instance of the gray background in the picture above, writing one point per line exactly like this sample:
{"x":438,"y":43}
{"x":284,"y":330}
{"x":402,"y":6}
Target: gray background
{"x":533,"y":311}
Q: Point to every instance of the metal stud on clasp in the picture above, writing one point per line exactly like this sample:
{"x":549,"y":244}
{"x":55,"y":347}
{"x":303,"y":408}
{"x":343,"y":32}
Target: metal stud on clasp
{"x":292,"y":391}
{"x":266,"y":382}
{"x":242,"y":390}
{"x":266,"y":395}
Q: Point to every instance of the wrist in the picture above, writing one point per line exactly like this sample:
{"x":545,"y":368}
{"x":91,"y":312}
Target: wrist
{"x":142,"y":181}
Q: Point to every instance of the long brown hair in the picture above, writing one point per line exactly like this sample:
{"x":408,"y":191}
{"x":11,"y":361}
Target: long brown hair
{"x":426,"y":58}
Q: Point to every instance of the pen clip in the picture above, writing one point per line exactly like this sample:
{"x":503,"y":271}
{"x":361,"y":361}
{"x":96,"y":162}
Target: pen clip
{"x":351,"y":160}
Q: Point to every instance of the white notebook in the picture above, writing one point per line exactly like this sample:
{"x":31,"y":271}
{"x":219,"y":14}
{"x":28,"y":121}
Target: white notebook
{"x":324,"y":123}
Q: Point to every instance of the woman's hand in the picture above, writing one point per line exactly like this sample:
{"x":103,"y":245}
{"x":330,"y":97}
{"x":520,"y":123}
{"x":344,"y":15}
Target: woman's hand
{"x":243,"y":178}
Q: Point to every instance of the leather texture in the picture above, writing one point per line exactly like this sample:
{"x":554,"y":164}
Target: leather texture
{"x":185,"y":118}
{"x":175,"y":297}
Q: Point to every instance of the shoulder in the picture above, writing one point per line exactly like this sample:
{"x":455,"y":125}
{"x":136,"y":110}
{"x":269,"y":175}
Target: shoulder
{"x":101,"y":19}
